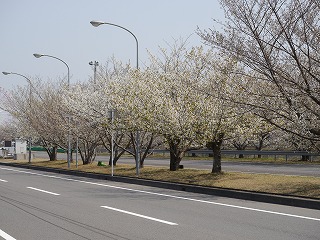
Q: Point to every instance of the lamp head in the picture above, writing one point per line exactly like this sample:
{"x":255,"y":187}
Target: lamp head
{"x":37,"y":55}
{"x":97,"y":23}
{"x":6,"y":73}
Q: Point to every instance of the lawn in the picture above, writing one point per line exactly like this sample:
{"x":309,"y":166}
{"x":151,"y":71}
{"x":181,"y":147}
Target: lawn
{"x":269,"y":183}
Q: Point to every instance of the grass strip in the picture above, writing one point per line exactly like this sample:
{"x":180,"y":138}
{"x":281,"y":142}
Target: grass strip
{"x":301,"y":186}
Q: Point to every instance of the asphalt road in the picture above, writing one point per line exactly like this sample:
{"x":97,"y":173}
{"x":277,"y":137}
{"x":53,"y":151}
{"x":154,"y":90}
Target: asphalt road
{"x":36,"y":205}
{"x":285,"y":169}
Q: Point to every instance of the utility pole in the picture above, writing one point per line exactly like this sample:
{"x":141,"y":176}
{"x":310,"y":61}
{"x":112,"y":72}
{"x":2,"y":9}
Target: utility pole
{"x":94,"y":64}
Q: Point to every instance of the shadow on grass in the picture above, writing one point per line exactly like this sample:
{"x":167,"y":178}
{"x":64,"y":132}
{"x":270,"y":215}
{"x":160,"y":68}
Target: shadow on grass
{"x":306,"y":189}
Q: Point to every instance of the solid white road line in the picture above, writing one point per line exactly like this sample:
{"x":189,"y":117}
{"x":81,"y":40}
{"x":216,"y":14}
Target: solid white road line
{"x":40,"y":190}
{"x":1,"y":180}
{"x":139,"y":215}
{"x":6,"y":236}
{"x":166,"y":195}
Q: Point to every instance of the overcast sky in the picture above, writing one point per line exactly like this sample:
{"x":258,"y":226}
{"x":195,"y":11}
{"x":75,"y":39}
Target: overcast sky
{"x":62,"y":28}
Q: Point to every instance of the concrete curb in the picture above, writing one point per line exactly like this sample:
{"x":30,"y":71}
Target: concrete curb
{"x":230,"y":193}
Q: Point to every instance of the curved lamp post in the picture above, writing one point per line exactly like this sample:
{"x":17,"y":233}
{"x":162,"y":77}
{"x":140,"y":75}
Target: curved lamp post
{"x":97,"y":24}
{"x":37,"y":55}
{"x":30,"y":85}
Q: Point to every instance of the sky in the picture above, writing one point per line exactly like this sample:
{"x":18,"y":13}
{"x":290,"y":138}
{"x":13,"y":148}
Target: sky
{"x":62,"y":28}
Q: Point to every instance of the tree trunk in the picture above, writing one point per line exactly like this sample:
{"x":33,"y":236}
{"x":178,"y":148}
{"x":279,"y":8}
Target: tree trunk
{"x":240,"y":146}
{"x":260,"y":145}
{"x":115,"y":160}
{"x":87,"y":152}
{"x":176,"y":154}
{"x":305,"y":158}
{"x":53,"y":153}
{"x":141,"y":163}
{"x":89,"y":158}
{"x":147,"y":150}
{"x":71,"y":155}
{"x":174,"y":161}
{"x":215,"y":145}
{"x":118,"y":151}
{"x":216,"y":166}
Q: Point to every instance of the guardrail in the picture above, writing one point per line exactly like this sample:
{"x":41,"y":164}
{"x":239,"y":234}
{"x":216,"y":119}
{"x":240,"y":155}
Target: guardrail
{"x":250,"y":153}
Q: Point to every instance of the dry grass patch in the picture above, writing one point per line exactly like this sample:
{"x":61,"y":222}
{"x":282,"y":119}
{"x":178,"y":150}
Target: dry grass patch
{"x":280,"y":184}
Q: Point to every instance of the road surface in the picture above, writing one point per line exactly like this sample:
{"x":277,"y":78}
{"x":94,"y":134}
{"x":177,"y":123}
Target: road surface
{"x":36,"y":205}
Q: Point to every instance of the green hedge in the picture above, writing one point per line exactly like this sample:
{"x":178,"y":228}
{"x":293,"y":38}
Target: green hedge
{"x":39,"y":148}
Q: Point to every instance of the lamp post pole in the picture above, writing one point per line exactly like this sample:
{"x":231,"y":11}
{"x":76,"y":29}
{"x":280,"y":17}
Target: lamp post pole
{"x":111,"y":112}
{"x":30,"y":85}
{"x":98,"y":23}
{"x":37,"y":55}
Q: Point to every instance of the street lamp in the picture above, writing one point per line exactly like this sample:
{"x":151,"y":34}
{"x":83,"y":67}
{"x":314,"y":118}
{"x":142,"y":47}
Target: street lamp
{"x":37,"y":55}
{"x":97,"y":24}
{"x":30,"y":85}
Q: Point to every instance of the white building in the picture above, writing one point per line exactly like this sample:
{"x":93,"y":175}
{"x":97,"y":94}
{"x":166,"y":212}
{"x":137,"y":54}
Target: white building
{"x":20,"y":146}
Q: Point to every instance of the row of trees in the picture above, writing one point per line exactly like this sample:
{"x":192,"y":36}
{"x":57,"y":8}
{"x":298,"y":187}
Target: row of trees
{"x":260,"y":77}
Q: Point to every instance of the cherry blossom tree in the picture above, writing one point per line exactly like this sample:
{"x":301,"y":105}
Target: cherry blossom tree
{"x":277,"y":44}
{"x":93,"y":102}
{"x":40,"y":113}
{"x":182,"y":97}
{"x":221,"y":116}
{"x":250,"y":131}
{"x":159,"y":101}
{"x":10,"y":130}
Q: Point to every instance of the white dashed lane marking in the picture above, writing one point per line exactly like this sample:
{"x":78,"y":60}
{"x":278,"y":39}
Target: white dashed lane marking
{"x":40,"y":190}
